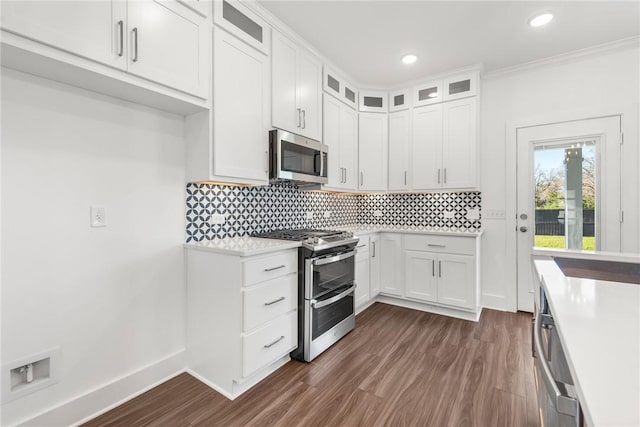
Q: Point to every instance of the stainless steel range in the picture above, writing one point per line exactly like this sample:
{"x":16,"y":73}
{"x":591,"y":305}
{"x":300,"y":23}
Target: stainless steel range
{"x":326,"y":303}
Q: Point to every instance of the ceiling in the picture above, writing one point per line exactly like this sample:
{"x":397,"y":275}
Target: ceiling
{"x":367,"y":38}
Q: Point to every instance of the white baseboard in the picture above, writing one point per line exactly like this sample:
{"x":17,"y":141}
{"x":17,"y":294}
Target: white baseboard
{"x":495,"y":302}
{"x":106,"y":397}
{"x":465,"y":315}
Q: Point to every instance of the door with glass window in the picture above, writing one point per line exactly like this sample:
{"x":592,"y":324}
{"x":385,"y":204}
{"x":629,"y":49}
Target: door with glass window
{"x":568,"y":191}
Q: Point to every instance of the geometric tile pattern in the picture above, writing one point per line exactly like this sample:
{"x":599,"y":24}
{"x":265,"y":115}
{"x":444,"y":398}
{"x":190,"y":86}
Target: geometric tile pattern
{"x":421,"y":209}
{"x":259,"y":209}
{"x":278,"y":206}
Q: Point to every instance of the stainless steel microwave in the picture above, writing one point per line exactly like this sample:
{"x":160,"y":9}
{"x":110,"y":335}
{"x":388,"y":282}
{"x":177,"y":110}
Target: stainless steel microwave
{"x":296,"y":158}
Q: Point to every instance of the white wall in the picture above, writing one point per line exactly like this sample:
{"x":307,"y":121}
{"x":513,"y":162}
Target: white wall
{"x":601,"y":81}
{"x":111,"y":298}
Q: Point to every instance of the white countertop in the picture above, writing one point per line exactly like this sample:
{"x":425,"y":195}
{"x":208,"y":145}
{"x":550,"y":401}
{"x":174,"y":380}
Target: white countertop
{"x":599,"y":326}
{"x":248,"y":246}
{"x":242,"y":246}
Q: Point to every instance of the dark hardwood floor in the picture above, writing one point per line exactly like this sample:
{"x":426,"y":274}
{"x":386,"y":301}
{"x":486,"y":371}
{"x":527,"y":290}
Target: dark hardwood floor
{"x":398,"y":367}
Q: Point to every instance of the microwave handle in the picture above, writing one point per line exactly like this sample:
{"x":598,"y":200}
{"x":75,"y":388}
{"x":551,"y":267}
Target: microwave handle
{"x":323,"y":156}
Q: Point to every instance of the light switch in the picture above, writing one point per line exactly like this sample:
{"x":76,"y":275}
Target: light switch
{"x":98,"y":216}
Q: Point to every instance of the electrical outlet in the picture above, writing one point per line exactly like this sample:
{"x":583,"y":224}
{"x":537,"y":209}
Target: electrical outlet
{"x":217,"y":219}
{"x":377,"y":214}
{"x":449,"y":214}
{"x":493,"y":214}
{"x":309,"y":215}
{"x":327,"y":214}
{"x":98,"y":216}
{"x":473,"y":214}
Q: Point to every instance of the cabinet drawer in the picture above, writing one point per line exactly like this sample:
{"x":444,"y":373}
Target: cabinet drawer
{"x":269,"y":343}
{"x":269,"y":300}
{"x":261,"y":269}
{"x":444,"y":244}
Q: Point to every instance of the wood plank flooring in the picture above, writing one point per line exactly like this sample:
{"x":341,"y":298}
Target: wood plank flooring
{"x":399,"y":367}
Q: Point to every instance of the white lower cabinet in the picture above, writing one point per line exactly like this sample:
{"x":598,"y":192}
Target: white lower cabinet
{"x":456,"y":280}
{"x":242,"y":318}
{"x":362,"y":272}
{"x":374,"y":265}
{"x":420,"y":275}
{"x":391,"y":264}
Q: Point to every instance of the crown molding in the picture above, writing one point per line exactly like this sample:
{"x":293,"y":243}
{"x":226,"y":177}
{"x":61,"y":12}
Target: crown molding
{"x":615,"y":45}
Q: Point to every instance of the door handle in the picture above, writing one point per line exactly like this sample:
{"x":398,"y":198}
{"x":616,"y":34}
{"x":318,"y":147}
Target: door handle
{"x":433,"y":267}
{"x":445,"y":175}
{"x":373,"y":249}
{"x":275,"y":342}
{"x":405,"y":177}
{"x":361,"y":178}
{"x":439,"y":268}
{"x":135,"y":44}
{"x":121,"y":34}
{"x":523,"y":229}
{"x":304,"y":119}
{"x":274,"y":301}
{"x":299,"y":117}
{"x":320,"y":304}
{"x":438,"y":175}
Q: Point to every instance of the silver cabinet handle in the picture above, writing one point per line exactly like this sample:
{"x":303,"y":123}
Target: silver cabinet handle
{"x":274,"y":301}
{"x":275,"y":342}
{"x":121,"y":35}
{"x":438,"y":176}
{"x":373,"y":249}
{"x":433,"y":245}
{"x":361,"y":178}
{"x":304,"y":119}
{"x":405,"y":177}
{"x":135,"y":44}
{"x":433,"y":267}
{"x":345,"y":175}
{"x":445,"y":175}
{"x":299,"y":117}
{"x":316,"y":304}
{"x":564,"y":404}
{"x":361,"y":246}
{"x":439,"y":268}
{"x":275,"y":268}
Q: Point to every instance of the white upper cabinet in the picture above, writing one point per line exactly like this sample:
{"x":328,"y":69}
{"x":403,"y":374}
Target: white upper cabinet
{"x":163,"y":42}
{"x":92,"y":29}
{"x":242,"y":22}
{"x":427,"y":93}
{"x":399,"y":100}
{"x":296,"y":89}
{"x":240,"y":110}
{"x":336,"y":86}
{"x":167,"y":47}
{"x":340,"y":132}
{"x":426,"y":143}
{"x":400,"y":150}
{"x":372,"y":151}
{"x":373,"y":101}
{"x":459,"y":145}
{"x":460,"y":86}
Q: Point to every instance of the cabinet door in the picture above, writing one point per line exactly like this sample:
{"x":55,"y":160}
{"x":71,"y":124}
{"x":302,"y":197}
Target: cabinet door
{"x":427,"y":94}
{"x":374,"y":266}
{"x":240,"y":109}
{"x":309,"y":90}
{"x":373,"y":101}
{"x":169,"y":49}
{"x":242,"y":22}
{"x":391,"y":264}
{"x":93,"y":29}
{"x":349,"y":147}
{"x":399,"y":140}
{"x":420,"y":275}
{"x":456,"y":281}
{"x":460,"y":139}
{"x":372,"y":151}
{"x":399,"y":100}
{"x":362,"y":276}
{"x":460,"y":86}
{"x":426,"y":156}
{"x":284,"y":114}
{"x":332,"y":129}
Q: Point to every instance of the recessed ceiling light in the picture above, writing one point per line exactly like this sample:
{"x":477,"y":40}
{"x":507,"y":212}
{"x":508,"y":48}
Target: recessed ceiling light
{"x":540,"y":20}
{"x":409,"y":59}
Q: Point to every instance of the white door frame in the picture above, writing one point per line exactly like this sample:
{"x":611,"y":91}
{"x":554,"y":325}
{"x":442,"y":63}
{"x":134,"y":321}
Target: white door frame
{"x":630,"y":117}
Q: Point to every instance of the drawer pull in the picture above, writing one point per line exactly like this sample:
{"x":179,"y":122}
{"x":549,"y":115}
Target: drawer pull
{"x":433,"y":245}
{"x":274,"y":301}
{"x":275,"y":268}
{"x":275,"y":342}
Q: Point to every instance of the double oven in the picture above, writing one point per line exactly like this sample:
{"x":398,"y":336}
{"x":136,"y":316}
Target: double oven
{"x":326,"y":300}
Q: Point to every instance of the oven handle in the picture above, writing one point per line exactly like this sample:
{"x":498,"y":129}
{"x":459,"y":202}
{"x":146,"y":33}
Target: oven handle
{"x":564,"y":404}
{"x":329,"y":260}
{"x":316,"y":304}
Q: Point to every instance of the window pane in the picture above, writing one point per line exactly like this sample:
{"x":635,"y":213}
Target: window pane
{"x":565,"y":195}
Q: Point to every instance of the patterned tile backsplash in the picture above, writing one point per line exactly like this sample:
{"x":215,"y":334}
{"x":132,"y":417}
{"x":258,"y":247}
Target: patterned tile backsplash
{"x":257,"y":209}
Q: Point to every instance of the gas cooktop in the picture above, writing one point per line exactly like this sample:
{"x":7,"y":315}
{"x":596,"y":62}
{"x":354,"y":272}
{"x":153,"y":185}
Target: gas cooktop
{"x":311,"y":238}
